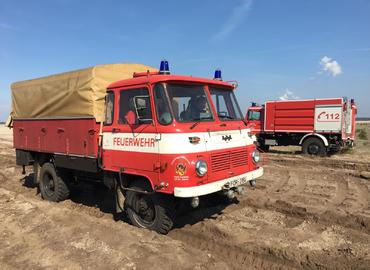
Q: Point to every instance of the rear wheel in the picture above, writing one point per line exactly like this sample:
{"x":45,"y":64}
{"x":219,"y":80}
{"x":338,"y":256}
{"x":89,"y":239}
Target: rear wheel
{"x":314,"y":146}
{"x":52,"y":186}
{"x":153,"y":211}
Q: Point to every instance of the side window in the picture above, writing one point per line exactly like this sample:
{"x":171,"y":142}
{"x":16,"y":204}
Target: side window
{"x":134,"y":106}
{"x":109,"y":108}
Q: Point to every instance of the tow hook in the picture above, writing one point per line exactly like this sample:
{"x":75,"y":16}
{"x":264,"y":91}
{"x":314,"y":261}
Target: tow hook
{"x":253,"y":183}
{"x":239,"y":190}
{"x":194,"y":202}
{"x":229,"y":193}
{"x":232,"y":192}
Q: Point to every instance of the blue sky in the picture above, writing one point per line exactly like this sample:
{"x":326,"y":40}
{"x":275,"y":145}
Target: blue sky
{"x":274,"y":49}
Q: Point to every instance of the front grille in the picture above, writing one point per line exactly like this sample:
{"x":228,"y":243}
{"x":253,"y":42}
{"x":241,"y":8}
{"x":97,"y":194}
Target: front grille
{"x":228,"y":160}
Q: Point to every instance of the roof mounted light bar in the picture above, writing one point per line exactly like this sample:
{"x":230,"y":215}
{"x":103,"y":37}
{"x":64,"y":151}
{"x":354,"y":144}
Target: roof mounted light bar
{"x":218,"y":75}
{"x":164,"y":67}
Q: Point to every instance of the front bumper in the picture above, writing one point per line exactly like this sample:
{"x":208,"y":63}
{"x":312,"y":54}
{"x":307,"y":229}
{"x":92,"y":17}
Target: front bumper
{"x":186,"y":192}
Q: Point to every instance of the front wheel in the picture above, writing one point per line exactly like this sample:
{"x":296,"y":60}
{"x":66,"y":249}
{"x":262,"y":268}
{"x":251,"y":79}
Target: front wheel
{"x":264,"y":147}
{"x":153,"y":211}
{"x":314,"y":146}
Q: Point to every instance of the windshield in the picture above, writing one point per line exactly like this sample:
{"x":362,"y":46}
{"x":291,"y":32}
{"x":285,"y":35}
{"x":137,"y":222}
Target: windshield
{"x":254,"y":115}
{"x":189,"y":103}
{"x":226,"y":105}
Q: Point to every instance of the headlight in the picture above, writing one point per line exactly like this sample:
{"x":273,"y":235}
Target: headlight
{"x":256,"y":156}
{"x":201,"y":167}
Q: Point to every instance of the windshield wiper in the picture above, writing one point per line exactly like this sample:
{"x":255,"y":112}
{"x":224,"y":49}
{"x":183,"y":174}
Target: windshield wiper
{"x":194,"y":125}
{"x":198,"y":120}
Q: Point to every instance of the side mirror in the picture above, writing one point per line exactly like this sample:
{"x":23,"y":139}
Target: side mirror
{"x":142,"y":108}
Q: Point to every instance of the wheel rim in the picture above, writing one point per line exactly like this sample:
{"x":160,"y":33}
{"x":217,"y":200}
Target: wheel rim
{"x":313,"y":149}
{"x":48,"y":184}
{"x":144,"y":210}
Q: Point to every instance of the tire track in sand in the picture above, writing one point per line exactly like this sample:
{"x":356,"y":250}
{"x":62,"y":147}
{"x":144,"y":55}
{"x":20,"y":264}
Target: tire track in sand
{"x":235,"y":256}
{"x":341,"y":192}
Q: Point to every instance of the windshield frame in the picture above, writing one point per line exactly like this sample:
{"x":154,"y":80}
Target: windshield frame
{"x":157,"y":87}
{"x":234,"y":102}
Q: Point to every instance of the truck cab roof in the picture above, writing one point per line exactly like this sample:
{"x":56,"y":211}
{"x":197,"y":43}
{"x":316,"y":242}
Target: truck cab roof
{"x":155,"y":77}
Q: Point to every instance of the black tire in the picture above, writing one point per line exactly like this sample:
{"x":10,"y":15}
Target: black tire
{"x":52,"y":186}
{"x":153,"y":211}
{"x":264,"y":147}
{"x":314,"y":146}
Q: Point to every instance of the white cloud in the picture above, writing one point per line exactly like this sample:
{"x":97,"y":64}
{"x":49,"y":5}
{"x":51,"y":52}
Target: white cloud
{"x":288,"y":94}
{"x":238,"y":13}
{"x":330,"y":66}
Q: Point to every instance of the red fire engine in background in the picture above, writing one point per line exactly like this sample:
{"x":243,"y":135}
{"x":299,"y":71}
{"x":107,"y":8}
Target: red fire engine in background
{"x":318,"y":125}
{"x":164,"y":137}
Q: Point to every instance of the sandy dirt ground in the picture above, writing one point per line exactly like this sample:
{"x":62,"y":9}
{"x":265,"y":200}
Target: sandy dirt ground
{"x":305,"y":213}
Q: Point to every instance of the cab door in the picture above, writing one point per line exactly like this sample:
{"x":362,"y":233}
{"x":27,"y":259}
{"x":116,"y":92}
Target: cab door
{"x":130,"y":142}
{"x":254,"y":117}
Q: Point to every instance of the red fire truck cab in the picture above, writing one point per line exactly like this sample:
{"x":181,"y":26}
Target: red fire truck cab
{"x":318,"y":125}
{"x":164,"y":137}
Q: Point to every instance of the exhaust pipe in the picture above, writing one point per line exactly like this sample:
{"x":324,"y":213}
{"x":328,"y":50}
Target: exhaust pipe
{"x":230,"y":194}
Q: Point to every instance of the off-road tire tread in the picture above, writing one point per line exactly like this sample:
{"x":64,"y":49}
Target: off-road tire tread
{"x":322,"y":151}
{"x":264,"y":147}
{"x":61,"y":189}
{"x":165,"y":210}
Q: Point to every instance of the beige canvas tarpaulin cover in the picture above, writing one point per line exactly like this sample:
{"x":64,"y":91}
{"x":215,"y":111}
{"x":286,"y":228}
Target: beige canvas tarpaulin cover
{"x":75,"y":93}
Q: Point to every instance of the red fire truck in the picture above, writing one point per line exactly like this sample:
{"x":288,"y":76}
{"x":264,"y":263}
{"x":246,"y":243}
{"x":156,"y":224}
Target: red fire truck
{"x":318,"y":125}
{"x":160,"y":138}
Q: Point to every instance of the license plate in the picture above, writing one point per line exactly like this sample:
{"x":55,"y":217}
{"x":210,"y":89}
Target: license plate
{"x":236,"y":182}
